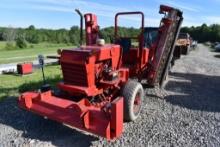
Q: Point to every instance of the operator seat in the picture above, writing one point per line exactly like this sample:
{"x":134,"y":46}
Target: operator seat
{"x":125,"y":44}
{"x":129,"y":53}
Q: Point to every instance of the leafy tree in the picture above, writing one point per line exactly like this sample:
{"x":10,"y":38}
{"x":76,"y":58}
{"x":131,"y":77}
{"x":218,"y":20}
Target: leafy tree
{"x":31,"y":27}
{"x":33,"y":35}
{"x":9,"y":34}
{"x":74,"y":35}
{"x":21,"y":42}
{"x":204,"y":32}
{"x":9,"y":46}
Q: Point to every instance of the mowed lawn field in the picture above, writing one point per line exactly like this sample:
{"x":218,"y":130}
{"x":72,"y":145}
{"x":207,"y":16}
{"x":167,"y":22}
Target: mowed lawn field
{"x":12,"y":85}
{"x":30,"y":53}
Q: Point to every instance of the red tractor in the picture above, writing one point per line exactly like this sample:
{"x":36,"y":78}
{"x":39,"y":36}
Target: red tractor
{"x":102,"y":83}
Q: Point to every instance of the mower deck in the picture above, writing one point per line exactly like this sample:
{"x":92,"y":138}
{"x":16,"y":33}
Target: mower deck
{"x":81,"y":115}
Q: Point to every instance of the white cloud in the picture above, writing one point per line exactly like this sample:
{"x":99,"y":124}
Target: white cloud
{"x":93,"y":7}
{"x":184,"y":6}
{"x":212,"y":19}
{"x":107,"y":12}
{"x":86,"y":6}
{"x":181,"y":5}
{"x":152,"y":22}
{"x":52,"y":8}
{"x":188,"y":20}
{"x":191,"y":23}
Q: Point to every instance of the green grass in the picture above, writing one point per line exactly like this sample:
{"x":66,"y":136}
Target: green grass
{"x":2,"y":45}
{"x":13,"y":85}
{"x":30,"y":53}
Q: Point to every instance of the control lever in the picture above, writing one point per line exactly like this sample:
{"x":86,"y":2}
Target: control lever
{"x":45,"y":87}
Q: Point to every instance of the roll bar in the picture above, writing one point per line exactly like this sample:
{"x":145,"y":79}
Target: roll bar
{"x":129,"y":13}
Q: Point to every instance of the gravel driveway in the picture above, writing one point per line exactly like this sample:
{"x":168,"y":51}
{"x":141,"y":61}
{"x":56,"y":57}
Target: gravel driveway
{"x":187,"y":115}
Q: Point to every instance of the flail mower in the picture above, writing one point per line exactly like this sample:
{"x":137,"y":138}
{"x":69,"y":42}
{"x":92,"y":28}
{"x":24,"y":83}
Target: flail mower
{"x":102,"y":83}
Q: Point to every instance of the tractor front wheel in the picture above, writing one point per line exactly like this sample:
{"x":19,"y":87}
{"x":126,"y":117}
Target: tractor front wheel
{"x":186,"y":50}
{"x":133,"y":94}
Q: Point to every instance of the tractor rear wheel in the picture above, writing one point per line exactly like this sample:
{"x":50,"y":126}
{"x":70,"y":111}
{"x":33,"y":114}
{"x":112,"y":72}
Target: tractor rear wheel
{"x":133,"y":94}
{"x":186,"y":50}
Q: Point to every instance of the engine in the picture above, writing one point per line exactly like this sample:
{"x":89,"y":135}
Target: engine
{"x":88,"y":70}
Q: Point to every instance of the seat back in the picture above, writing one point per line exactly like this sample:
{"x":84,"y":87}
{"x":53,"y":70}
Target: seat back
{"x":125,"y":44}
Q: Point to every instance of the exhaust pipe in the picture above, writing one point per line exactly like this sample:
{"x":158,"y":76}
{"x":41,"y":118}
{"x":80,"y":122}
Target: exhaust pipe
{"x":81,"y":25}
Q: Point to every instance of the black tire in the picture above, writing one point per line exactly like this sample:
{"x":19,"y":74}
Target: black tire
{"x":172,"y":63}
{"x":177,"y":52}
{"x":133,"y":94}
{"x":186,"y":50}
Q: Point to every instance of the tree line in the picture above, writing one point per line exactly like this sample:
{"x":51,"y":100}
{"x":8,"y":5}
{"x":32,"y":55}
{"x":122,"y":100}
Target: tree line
{"x":23,"y":36}
{"x":204,"y":33}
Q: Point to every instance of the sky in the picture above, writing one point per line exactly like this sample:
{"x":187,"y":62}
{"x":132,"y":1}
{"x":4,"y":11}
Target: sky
{"x":55,"y":14}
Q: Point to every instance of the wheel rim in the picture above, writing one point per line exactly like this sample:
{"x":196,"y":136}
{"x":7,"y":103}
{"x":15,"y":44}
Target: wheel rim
{"x":137,"y":104}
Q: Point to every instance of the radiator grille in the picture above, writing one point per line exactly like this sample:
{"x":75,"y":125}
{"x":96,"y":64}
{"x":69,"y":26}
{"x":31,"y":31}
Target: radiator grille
{"x":74,"y":74}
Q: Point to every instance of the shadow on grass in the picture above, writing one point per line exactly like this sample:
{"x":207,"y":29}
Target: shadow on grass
{"x":35,"y":127}
{"x":30,"y":86}
{"x":37,"y":85}
{"x":196,"y":91}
